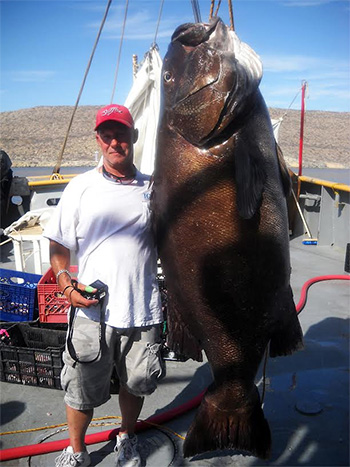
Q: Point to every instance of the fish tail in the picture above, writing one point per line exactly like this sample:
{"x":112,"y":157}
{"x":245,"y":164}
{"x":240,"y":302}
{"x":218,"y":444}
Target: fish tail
{"x":244,"y":429}
{"x":286,"y":341}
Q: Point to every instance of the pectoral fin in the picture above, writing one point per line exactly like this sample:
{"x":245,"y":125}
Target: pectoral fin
{"x":180,"y":339}
{"x":285,"y":177}
{"x":250,"y":177}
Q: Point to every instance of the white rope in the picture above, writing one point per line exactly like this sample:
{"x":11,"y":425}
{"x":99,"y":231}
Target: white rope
{"x":59,"y":159}
{"x":120,"y":51}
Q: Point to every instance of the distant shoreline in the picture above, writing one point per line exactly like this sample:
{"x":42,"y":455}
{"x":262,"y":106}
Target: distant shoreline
{"x":34,"y":137}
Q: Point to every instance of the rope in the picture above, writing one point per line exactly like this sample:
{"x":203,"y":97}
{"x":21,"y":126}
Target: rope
{"x":296,"y":95}
{"x":232,"y":26}
{"x":217,"y":8}
{"x":120,"y":50}
{"x":91,"y":425}
{"x":59,"y":160}
{"x":290,"y":105}
{"x":158,"y":23}
{"x":211,"y":9}
{"x":212,"y":4}
{"x":50,"y":427}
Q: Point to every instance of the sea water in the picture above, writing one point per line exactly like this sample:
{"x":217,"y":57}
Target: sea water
{"x":331,"y":175}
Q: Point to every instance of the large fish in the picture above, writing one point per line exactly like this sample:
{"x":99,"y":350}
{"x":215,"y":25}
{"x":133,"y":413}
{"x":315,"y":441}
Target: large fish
{"x":220,"y":215}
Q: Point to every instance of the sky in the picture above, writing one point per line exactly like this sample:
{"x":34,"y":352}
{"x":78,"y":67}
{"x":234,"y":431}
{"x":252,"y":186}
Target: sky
{"x":46,"y":46}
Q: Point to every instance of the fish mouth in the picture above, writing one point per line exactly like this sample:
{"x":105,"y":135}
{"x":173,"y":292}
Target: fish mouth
{"x":196,"y":61}
{"x":193,"y":34}
{"x":215,"y":75}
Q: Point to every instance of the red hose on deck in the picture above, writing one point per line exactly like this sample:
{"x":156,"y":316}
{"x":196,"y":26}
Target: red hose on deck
{"x":310,"y":282}
{"x":37,"y":449}
{"x":44,"y":448}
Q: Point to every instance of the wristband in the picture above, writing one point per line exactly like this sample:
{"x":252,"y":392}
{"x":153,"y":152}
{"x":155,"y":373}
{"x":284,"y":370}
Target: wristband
{"x":61,"y":272}
{"x":67,"y":287}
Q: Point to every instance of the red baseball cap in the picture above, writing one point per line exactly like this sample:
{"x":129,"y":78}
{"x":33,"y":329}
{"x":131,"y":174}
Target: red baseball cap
{"x":116,"y":113}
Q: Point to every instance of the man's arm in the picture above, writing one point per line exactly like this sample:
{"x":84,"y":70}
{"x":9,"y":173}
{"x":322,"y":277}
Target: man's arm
{"x":60,"y":261}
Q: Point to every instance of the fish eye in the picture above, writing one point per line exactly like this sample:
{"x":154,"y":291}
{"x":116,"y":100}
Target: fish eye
{"x":167,"y":76}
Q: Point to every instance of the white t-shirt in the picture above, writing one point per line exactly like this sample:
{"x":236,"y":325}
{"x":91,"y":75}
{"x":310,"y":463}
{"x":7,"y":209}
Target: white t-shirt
{"x":108,"y":226}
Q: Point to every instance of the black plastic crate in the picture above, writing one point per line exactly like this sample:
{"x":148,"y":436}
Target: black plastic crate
{"x":37,"y":335}
{"x":35,"y":367}
{"x":37,"y":364}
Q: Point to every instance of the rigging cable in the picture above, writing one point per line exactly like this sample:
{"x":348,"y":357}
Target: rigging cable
{"x":196,"y":11}
{"x":158,"y":22}
{"x":296,"y":95}
{"x":59,"y":159}
{"x":120,"y":50}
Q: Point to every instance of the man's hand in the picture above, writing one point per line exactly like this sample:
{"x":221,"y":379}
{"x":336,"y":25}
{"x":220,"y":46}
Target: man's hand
{"x":75,"y":297}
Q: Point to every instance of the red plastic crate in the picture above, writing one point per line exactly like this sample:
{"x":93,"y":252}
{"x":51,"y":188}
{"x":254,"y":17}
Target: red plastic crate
{"x":53,"y":305}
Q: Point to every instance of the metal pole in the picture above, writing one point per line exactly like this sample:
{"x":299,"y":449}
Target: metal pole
{"x":301,"y":140}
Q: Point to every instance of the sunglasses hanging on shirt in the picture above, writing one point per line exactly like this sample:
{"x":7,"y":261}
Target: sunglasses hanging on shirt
{"x":116,"y":179}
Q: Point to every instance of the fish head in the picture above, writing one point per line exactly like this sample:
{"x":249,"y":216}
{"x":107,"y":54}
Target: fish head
{"x":208,"y":76}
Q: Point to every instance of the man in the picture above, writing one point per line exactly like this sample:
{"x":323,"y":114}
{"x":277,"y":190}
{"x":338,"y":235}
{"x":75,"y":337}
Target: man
{"x":104,"y":218}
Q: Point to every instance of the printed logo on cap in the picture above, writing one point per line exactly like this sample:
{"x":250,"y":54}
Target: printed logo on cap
{"x":111,"y":110}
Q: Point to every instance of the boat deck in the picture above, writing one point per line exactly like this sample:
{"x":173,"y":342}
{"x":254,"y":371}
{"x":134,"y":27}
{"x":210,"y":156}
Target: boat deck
{"x":306,"y":399}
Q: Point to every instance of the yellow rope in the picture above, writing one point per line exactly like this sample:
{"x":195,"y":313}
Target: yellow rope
{"x":217,"y":8}
{"x":92,"y":425}
{"x":212,"y":4}
{"x":165,"y":428}
{"x":211,"y":9}
{"x":50,"y":427}
{"x":231,"y":15}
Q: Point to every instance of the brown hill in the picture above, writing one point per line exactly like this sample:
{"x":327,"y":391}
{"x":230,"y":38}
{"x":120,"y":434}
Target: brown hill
{"x":34,"y":137}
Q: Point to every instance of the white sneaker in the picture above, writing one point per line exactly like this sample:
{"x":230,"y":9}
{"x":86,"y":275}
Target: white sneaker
{"x":127,"y":451}
{"x":69,"y":458}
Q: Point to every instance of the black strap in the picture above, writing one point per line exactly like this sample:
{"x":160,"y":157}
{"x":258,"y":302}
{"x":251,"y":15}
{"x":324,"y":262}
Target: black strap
{"x":70,"y":346}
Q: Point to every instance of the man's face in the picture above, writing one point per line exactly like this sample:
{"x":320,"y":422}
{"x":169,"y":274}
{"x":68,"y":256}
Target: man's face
{"x":116,"y":142}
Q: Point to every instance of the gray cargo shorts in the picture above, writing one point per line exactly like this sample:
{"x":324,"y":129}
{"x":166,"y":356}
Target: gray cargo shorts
{"x":134,"y":351}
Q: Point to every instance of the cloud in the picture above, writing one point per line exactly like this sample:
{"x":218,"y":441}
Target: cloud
{"x":32,"y":76}
{"x":307,"y":3}
{"x":328,"y":81}
{"x":320,"y":95}
{"x":140,"y":25}
{"x":302,"y":63}
{"x":284,"y":63}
